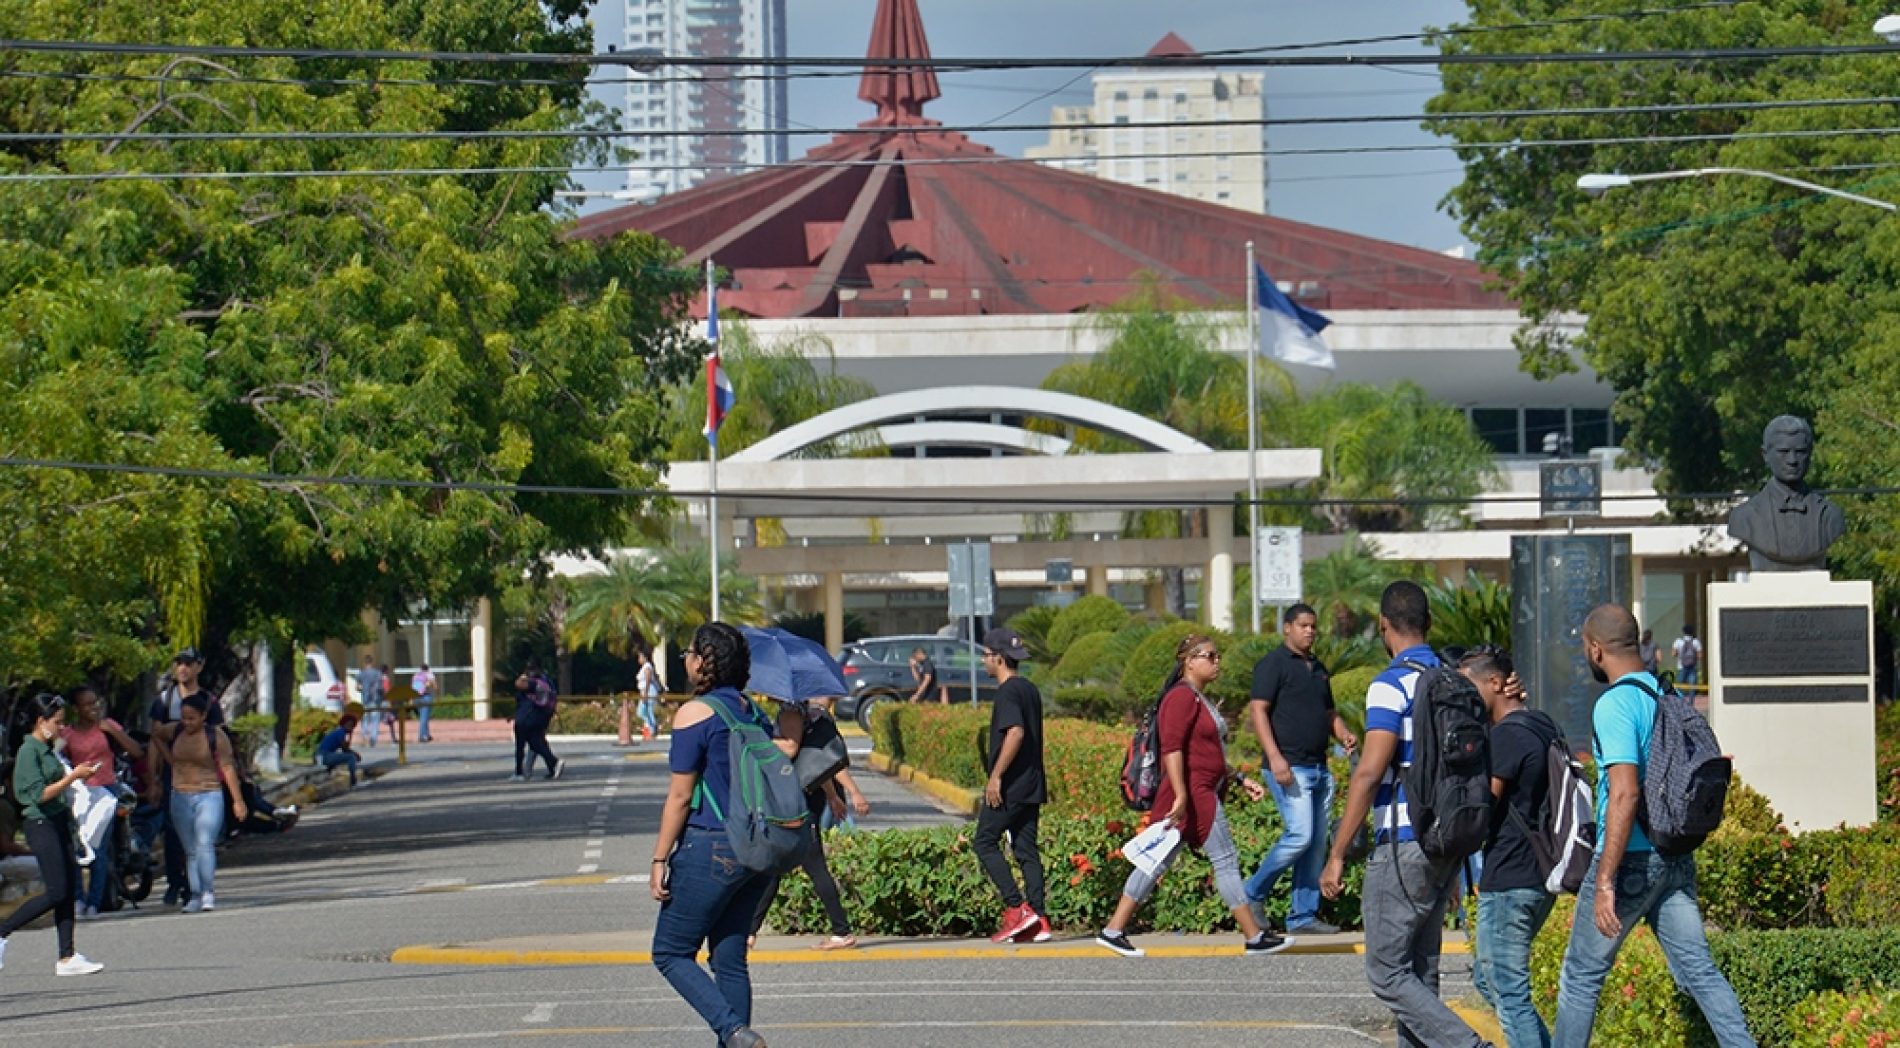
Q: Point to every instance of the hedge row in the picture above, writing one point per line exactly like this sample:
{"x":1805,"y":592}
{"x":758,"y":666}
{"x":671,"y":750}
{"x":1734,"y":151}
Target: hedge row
{"x":1775,"y":974}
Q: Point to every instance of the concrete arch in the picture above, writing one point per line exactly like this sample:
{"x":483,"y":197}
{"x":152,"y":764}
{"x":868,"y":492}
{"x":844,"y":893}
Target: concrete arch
{"x":972,"y":434}
{"x":1014,"y":400}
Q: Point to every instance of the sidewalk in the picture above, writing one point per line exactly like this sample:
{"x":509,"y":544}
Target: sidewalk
{"x":627,"y":948}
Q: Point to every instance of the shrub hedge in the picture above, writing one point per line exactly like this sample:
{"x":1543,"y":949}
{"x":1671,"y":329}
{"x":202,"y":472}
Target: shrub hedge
{"x":1087,"y":615}
{"x":1087,"y":661}
{"x":1834,"y":1020}
{"x":1153,"y":659}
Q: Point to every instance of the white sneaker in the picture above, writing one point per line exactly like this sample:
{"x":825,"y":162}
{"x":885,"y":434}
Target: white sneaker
{"x":196,"y":904}
{"x":210,"y":903}
{"x":77,"y":965}
{"x":3,"y":953}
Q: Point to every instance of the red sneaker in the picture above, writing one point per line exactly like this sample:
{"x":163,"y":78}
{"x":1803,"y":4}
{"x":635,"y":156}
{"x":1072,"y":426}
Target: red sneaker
{"x":1016,"y":920}
{"x":1041,"y":931}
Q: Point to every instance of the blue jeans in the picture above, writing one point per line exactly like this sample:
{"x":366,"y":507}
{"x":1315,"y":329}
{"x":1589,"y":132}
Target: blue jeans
{"x":199,"y":819}
{"x":340,"y":759}
{"x":648,"y":716}
{"x":1507,"y":922}
{"x":1306,"y":807}
{"x":1661,"y":890}
{"x":423,"y":709}
{"x":99,"y":873}
{"x":1690,"y":676}
{"x":713,"y":900}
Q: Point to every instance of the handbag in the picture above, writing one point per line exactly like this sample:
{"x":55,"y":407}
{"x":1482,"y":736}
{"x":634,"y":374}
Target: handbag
{"x":821,"y":752}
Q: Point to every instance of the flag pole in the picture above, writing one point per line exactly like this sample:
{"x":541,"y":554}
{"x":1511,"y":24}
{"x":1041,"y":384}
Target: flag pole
{"x":1253,"y":445}
{"x":712,"y":457}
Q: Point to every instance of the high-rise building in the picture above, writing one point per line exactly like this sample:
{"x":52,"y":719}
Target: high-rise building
{"x":1223,"y":164}
{"x":657,"y":103}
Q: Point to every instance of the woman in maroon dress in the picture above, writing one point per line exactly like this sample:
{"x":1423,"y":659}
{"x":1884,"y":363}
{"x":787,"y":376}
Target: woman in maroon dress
{"x":1190,"y":731}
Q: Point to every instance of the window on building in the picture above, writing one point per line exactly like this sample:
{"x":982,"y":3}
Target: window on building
{"x":1590,"y":428}
{"x":1180,"y":98}
{"x":1121,"y":96}
{"x":1223,"y":195}
{"x":1121,"y":120}
{"x":1498,"y":428}
{"x":1151,"y":95}
{"x":1542,"y":422}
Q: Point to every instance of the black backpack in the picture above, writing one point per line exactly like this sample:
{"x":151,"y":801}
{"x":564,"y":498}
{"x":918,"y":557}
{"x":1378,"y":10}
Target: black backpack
{"x":1685,"y":776}
{"x":1448,"y":785}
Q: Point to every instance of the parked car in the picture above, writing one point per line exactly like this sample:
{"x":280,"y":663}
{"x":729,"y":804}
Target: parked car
{"x":878,"y":669}
{"x":321,"y":689}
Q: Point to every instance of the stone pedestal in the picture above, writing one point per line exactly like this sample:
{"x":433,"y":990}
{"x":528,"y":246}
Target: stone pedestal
{"x":1791,"y":676}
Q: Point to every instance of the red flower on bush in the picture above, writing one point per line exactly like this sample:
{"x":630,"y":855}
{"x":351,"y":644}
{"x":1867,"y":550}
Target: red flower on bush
{"x":1082,"y":864}
{"x":1629,"y":991}
{"x":1115,"y":827}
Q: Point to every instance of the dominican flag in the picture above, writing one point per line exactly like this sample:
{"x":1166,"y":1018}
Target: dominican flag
{"x":1289,"y":332}
{"x":719,"y":395}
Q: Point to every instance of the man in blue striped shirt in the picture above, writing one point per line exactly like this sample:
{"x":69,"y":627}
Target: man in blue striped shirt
{"x":1406,"y":891}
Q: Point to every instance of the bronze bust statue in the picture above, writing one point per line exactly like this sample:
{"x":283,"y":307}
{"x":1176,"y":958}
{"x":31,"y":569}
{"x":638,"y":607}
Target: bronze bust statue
{"x":1786,"y":526}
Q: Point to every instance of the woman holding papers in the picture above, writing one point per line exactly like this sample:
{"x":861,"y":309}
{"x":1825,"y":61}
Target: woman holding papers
{"x":1190,"y":731}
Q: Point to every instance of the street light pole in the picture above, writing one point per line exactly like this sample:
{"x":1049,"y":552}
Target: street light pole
{"x":1598,"y":184}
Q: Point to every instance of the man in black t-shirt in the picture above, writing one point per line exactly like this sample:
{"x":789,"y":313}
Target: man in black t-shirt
{"x":924,"y":672}
{"x":1512,"y":902}
{"x":1012,"y":800}
{"x":1293,"y":715}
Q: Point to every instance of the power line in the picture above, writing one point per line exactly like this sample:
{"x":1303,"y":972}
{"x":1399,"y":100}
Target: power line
{"x":1461,"y":116}
{"x":888,"y":65}
{"x":269,"y":479}
{"x":940,"y":161}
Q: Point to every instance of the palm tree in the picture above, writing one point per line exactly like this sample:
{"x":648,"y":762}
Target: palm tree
{"x":1345,"y":585}
{"x":659,"y":597}
{"x":1396,"y":444}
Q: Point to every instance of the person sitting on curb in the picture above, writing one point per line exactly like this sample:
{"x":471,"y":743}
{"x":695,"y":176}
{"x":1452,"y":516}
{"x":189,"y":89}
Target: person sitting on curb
{"x":333,"y":750}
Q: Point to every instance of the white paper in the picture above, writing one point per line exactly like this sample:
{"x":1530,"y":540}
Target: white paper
{"x":1149,"y":847}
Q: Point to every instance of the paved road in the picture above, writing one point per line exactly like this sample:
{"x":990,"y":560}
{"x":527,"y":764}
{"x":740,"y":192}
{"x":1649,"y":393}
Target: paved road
{"x":298,"y":953}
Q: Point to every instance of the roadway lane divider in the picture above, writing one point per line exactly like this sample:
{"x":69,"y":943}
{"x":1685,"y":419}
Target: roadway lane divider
{"x":597,"y":827}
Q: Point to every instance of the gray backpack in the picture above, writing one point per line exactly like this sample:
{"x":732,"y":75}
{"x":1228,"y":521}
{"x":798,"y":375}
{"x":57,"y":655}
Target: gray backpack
{"x":770,"y":827}
{"x":1685,"y":777}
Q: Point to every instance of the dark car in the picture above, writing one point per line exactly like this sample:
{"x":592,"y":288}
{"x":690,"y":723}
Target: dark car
{"x":878,"y":669}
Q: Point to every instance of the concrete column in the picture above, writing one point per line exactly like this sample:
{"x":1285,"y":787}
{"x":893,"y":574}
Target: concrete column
{"x":1217,"y":587}
{"x":834,"y":610}
{"x":480,"y":641}
{"x":1098,"y":582}
{"x":1638,"y":606}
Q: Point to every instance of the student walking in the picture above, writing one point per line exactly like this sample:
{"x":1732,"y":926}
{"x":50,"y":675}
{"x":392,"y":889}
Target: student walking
{"x":1014,"y":795}
{"x":1688,"y":652}
{"x":1629,"y":880}
{"x":333,"y":750}
{"x":40,"y":783}
{"x":200,"y":757}
{"x":534,"y":712}
{"x":795,"y":722}
{"x":647,"y":680}
{"x":1294,"y":717}
{"x":706,"y":896}
{"x":1512,"y":901}
{"x":185,"y":681}
{"x":424,"y":685}
{"x":372,"y":686}
{"x":1406,"y":890}
{"x":95,"y":800}
{"x":1195,"y":775}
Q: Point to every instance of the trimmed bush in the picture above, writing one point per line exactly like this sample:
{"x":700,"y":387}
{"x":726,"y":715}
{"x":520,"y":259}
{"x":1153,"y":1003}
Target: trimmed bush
{"x":1639,"y":1003}
{"x":307,"y":727}
{"x":1153,"y":658}
{"x":1033,"y":624}
{"x":1832,"y":1020}
{"x":1088,"y":615}
{"x":1094,"y":702}
{"x":1087,"y":661}
{"x":1234,"y":687}
{"x":1887,"y":761}
{"x":1349,"y":695}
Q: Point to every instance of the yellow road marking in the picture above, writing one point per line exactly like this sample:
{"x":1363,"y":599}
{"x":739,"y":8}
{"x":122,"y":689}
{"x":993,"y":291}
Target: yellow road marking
{"x":475,"y":955}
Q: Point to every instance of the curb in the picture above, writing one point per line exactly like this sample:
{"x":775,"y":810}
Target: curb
{"x":1073,"y":950}
{"x":966,"y":801}
{"x":1481,"y":1019}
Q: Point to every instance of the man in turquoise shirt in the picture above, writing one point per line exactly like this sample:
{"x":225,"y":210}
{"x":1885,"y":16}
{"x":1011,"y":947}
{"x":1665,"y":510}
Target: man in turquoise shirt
{"x":1628,"y":881}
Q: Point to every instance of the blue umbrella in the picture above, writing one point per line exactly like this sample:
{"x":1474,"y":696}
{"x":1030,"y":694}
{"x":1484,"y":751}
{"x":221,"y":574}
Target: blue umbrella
{"x":815,"y":674}
{"x":771,"y":665}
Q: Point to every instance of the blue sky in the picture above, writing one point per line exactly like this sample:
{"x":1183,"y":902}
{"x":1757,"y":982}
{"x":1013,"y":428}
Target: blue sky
{"x":1399,"y":202}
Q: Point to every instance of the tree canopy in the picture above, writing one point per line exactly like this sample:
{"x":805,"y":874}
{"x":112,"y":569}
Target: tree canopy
{"x":1711,"y":305}
{"x":430,"y":329}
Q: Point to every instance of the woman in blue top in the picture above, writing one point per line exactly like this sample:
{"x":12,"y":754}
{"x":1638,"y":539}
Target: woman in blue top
{"x":706,"y":895}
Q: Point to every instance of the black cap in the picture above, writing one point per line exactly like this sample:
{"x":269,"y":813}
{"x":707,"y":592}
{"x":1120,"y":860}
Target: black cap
{"x":1007,"y":643}
{"x":188,"y":655}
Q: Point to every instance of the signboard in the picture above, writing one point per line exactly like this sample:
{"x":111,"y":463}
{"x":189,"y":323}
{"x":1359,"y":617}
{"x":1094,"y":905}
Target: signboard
{"x":1556,"y":580}
{"x":1059,"y":572}
{"x":1815,"y":641}
{"x":1571,"y":488}
{"x":1276,"y":566}
{"x":972,"y":588}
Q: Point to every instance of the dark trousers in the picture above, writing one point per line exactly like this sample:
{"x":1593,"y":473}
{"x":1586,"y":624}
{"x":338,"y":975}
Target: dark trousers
{"x":1019,"y":821}
{"x":713,"y":900}
{"x":531,"y":733}
{"x":52,"y":844}
{"x":821,"y":879}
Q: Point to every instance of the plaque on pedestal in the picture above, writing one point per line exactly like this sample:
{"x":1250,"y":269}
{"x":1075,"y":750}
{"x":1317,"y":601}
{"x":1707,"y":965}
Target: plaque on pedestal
{"x":1791,"y":677}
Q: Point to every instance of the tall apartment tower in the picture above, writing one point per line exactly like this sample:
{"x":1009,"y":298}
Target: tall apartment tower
{"x":1222,"y":165}
{"x":699,"y":99}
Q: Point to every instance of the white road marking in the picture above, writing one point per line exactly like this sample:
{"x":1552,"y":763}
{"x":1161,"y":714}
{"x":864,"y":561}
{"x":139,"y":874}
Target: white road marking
{"x":588,"y":867}
{"x":596,"y":843}
{"x":591,"y":853}
{"x":542,"y":1012}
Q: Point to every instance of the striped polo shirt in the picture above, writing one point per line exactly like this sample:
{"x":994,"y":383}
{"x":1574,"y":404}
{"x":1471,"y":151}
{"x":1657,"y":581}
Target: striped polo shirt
{"x":1389,"y":709}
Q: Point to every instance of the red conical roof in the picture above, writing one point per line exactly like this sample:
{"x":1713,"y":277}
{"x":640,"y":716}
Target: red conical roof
{"x":899,"y":92}
{"x":1172,"y":46}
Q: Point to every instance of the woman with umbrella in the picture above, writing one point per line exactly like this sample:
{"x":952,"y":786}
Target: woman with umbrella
{"x":804,"y":725}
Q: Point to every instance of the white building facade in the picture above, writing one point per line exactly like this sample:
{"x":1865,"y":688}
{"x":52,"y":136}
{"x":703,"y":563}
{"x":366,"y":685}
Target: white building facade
{"x":672,"y":113}
{"x":1223,"y":165}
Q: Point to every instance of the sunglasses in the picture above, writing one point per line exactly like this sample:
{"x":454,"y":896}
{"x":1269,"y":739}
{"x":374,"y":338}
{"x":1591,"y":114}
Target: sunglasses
{"x":1211,"y":656}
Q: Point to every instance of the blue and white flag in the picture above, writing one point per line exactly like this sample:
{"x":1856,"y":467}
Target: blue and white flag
{"x":1289,"y":332}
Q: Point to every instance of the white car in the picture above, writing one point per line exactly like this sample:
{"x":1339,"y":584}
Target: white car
{"x":322,"y":689}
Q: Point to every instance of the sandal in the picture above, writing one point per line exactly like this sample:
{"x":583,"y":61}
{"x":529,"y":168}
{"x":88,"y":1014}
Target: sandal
{"x":838,"y":942}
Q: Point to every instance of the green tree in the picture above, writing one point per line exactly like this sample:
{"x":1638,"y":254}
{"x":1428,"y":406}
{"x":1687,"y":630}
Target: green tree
{"x":1394,"y":444}
{"x":1711,"y":305}
{"x":416,"y":329}
{"x":779,"y":385}
{"x":619,"y":608}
